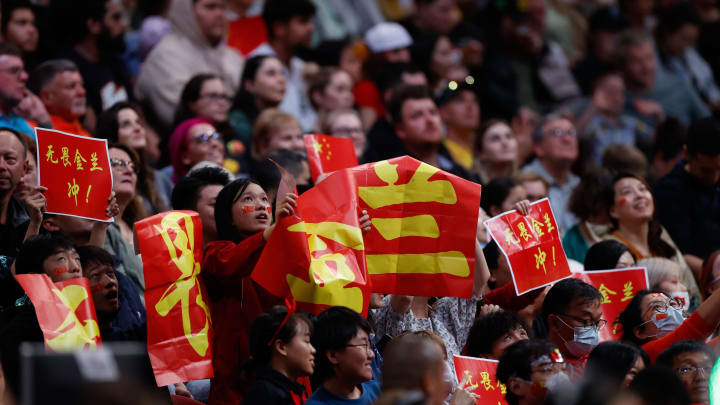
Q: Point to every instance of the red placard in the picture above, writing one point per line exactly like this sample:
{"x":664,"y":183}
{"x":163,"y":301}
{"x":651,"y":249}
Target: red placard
{"x":65,"y":311}
{"x":424,"y":225}
{"x":328,"y":153}
{"x":480,"y":374}
{"x":180,"y":334}
{"x":617,"y":287}
{"x":317,"y":256}
{"x":532,"y":245}
{"x":76,"y":171}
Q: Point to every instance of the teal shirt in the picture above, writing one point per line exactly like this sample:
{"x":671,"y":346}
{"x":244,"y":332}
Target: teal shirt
{"x":575,"y":245}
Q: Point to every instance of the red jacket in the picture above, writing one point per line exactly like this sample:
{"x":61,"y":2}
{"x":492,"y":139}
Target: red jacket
{"x":693,"y":328}
{"x":236,"y":302}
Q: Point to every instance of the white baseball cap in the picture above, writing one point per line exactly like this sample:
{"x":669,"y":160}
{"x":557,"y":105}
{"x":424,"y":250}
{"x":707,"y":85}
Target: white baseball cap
{"x":387,"y":36}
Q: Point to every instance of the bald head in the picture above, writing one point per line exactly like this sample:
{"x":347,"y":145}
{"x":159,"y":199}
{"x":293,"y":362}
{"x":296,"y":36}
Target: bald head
{"x":408,"y":360}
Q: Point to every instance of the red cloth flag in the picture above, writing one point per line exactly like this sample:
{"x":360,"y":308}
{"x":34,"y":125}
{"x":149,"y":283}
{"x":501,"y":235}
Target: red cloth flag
{"x":424,"y":226}
{"x":76,"y":171}
{"x":317,"y":255}
{"x":65,"y":311}
{"x":481,"y":379}
{"x":328,"y":153}
{"x":617,"y":287}
{"x":180,"y":333}
{"x":532,"y":245}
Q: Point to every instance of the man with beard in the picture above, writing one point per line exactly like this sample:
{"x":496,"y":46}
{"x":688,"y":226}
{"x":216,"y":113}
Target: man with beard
{"x":120,"y":313}
{"x":60,"y":87}
{"x":290,"y":29}
{"x":97,"y":42}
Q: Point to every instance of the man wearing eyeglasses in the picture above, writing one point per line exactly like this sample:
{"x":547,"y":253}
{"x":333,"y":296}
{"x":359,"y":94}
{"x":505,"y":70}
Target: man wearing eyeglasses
{"x":573,"y":316}
{"x":692,"y":361}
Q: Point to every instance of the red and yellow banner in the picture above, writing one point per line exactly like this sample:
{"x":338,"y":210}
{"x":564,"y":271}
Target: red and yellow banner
{"x":424,"y":225}
{"x":76,"y":171}
{"x":617,"y":287}
{"x":532,"y":245}
{"x":317,"y":255}
{"x":180,"y":333}
{"x":328,"y":153}
{"x":65,"y":311}
{"x":481,"y":379}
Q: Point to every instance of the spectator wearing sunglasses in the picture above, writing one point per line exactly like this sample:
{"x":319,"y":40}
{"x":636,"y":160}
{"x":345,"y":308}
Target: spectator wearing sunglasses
{"x":194,"y":141}
{"x":692,"y":361}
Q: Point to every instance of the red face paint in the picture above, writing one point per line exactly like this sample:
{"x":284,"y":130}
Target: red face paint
{"x":269,"y":209}
{"x":246,"y":209}
{"x":60,"y":270}
{"x":96,"y":287}
{"x":622,"y":201}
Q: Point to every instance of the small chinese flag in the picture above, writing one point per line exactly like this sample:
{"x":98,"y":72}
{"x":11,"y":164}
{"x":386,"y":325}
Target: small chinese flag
{"x":65,"y":311}
{"x":328,"y":153}
{"x":480,"y":379}
{"x":180,"y":333}
{"x":317,"y":256}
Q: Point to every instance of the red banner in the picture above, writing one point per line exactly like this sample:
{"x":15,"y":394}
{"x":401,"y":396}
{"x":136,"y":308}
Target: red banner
{"x":76,"y":171}
{"x":317,"y":255}
{"x":481,"y":379}
{"x":328,"y":153}
{"x":65,"y":311}
{"x":424,"y":225}
{"x":180,"y":333}
{"x":532,"y":245}
{"x":617,"y":287}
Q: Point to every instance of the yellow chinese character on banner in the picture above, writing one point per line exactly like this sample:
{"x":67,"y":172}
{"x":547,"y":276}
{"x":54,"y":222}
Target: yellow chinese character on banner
{"x":73,"y":190}
{"x":83,"y":331}
{"x":469,"y":384}
{"x":540,"y":257}
{"x":93,"y":160}
{"x":523,"y":231}
{"x":79,"y":160}
{"x":510,"y":237}
{"x":503,"y":388}
{"x":606,"y":292}
{"x":627,"y":291}
{"x":486,"y":381}
{"x":65,"y":156}
{"x":50,"y":155}
{"x":548,"y":222}
{"x":537,"y":225}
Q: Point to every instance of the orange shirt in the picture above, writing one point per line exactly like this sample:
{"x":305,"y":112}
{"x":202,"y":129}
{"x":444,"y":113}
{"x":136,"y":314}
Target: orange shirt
{"x":71,"y":127}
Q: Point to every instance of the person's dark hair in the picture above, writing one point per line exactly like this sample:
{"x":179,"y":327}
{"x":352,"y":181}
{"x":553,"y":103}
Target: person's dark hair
{"x":9,"y":49}
{"x":186,"y":192}
{"x":70,"y":18}
{"x":282,"y":11}
{"x":703,"y":137}
{"x":486,"y":330}
{"x":673,"y":18}
{"x":622,"y":158}
{"x":8,"y":8}
{"x":515,"y":362}
{"x":631,"y":317}
{"x":587,"y":200}
{"x":35,"y":250}
{"x":223,"y":210}
{"x":492,"y":254}
{"x":290,"y":160}
{"x":496,"y":192}
{"x":668,"y":355}
{"x":190,"y":94}
{"x":135,"y":211}
{"x":318,"y":82}
{"x":107,"y":125}
{"x":45,"y":72}
{"x":658,"y":247}
{"x":244,"y":100}
{"x":391,"y":75}
{"x":264,"y":327}
{"x":334,"y":328}
{"x":706,"y":279}
{"x":93,"y":254}
{"x":646,"y":385}
{"x":18,"y":135}
{"x":605,"y":254}
{"x":401,"y":94}
{"x":564,"y":292}
{"x":670,"y":136}
{"x":612,"y":360}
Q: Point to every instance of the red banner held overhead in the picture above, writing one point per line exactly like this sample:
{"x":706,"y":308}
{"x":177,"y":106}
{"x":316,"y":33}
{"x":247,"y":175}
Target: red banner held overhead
{"x":328,"y":153}
{"x":532,"y":245}
{"x":617,"y":287}
{"x":76,"y":171}
{"x":65,"y":311}
{"x":180,"y":333}
{"x":317,"y":255}
{"x":481,"y":379}
{"x":424,"y":226}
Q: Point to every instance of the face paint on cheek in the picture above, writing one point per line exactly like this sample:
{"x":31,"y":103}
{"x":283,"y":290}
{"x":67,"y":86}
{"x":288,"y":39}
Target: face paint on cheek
{"x":96,"y":287}
{"x":622,"y":201}
{"x":247,"y":209}
{"x":60,"y":270}
{"x":269,"y":210}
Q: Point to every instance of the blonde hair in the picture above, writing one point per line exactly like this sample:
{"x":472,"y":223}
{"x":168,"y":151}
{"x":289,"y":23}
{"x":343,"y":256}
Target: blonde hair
{"x":268,"y":122}
{"x":659,"y":269}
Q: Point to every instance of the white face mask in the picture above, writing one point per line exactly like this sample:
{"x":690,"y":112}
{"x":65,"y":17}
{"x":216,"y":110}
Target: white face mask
{"x":682,"y":297}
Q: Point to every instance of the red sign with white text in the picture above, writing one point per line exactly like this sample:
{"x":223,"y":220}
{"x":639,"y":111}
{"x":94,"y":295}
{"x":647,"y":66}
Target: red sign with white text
{"x":481,"y":380}
{"x":617,"y":287}
{"x":76,"y":171}
{"x":532,"y":245}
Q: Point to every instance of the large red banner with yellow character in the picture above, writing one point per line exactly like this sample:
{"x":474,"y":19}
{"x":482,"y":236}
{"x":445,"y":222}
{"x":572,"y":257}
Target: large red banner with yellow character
{"x":65,"y":311}
{"x":317,"y":255}
{"x":532,"y":246}
{"x":617,"y":287}
{"x":480,"y":379}
{"x":76,"y":171}
{"x":424,"y":227}
{"x":180,"y":333}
